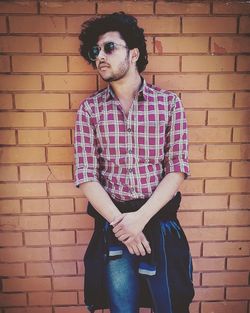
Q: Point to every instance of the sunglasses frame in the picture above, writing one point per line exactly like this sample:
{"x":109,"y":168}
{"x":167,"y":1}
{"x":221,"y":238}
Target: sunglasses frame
{"x":106,"y":48}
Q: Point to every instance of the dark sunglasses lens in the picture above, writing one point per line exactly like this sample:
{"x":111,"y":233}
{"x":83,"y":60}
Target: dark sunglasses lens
{"x":94,"y":52}
{"x":109,"y":47}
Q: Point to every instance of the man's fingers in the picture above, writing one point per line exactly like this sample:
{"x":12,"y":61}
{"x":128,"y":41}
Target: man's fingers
{"x":146,"y":245}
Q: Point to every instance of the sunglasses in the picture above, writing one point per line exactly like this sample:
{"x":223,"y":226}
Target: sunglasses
{"x":108,"y":48}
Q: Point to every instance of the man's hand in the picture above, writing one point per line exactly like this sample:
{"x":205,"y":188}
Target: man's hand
{"x":128,"y":226}
{"x":139,"y":245}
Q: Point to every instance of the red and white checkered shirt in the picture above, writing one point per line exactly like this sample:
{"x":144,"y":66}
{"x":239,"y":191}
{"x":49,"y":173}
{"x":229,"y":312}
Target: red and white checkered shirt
{"x":129,"y":155}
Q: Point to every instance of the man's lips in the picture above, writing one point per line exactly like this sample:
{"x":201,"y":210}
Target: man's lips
{"x":103,"y":66}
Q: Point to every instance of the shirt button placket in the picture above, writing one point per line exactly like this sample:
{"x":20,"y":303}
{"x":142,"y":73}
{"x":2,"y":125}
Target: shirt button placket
{"x":130,"y":154}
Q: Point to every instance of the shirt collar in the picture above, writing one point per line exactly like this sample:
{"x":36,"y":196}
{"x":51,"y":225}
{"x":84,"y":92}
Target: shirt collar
{"x":142,"y":92}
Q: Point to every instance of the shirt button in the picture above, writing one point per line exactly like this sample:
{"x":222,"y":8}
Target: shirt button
{"x":130,"y":170}
{"x":129,"y":130}
{"x":132,"y":189}
{"x":130,"y":151}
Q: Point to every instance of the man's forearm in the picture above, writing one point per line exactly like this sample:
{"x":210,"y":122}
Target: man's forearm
{"x":162,"y":194}
{"x":100,"y":200}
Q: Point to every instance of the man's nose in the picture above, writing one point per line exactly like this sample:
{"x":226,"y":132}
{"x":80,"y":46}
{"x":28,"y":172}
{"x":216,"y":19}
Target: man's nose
{"x":101,"y":55}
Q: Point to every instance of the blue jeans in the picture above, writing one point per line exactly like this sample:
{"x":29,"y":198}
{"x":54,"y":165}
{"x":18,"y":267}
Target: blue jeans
{"x":123,"y":283}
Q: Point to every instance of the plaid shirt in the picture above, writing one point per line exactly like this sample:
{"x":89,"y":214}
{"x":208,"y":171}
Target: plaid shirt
{"x":129,"y":155}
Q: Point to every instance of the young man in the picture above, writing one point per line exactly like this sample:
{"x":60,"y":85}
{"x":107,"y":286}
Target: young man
{"x":131,"y":157}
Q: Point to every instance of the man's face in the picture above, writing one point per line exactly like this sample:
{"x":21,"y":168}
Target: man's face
{"x":115,"y":65}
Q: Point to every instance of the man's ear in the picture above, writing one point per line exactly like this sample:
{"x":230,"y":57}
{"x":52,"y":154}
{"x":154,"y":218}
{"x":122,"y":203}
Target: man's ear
{"x":134,"y":54}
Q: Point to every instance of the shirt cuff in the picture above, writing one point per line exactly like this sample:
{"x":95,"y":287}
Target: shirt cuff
{"x":178,"y":166}
{"x":84,"y":176}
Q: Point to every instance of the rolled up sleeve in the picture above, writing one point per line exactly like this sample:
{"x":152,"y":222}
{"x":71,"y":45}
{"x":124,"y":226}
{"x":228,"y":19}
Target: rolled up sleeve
{"x":176,"y":144}
{"x":85,"y":148}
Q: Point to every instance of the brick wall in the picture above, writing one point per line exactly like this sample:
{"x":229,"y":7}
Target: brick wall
{"x":200,"y":50}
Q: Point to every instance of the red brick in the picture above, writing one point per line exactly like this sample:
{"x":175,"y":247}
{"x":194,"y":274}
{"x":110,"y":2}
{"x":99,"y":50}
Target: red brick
{"x":39,"y":63}
{"x":244,"y":24}
{"x":195,"y":248}
{"x":74,"y":23}
{"x":205,"y":233}
{"x":76,"y":221}
{"x":239,"y":201}
{"x":130,"y":7}
{"x":8,"y":239}
{"x":22,"y":190}
{"x":238,"y":263}
{"x":76,"y":99}
{"x":12,"y":299}
{"x":243,"y":63}
{"x":224,"y":278}
{"x":207,"y":63}
{"x":207,"y":99}
{"x":204,"y":202}
{"x":209,"y":169}
{"x":68,"y":283}
{"x":57,"y":268}
{"x":192,"y":186}
{"x":190,"y":218}
{"x":6,"y":101}
{"x":21,"y":119}
{"x":68,"y":253}
{"x":242,"y":99}
{"x":61,"y":205}
{"x":36,"y":239}
{"x":29,"y":137}
{"x":64,"y":119}
{"x":8,"y":173}
{"x":239,"y":233}
{"x":224,"y":306}
{"x":227,"y":185}
{"x":62,"y":7}
{"x":160,"y":25}
{"x":35,"y":101}
{"x":232,"y":117}
{"x":60,"y":44}
{"x":18,"y":7}
{"x":73,"y":309}
{"x":209,"y":25}
{"x":60,"y":154}
{"x":229,"y":82}
{"x":238,"y":293}
{"x":45,"y":173}
{"x":62,"y":237}
{"x":3,"y":25}
{"x":196,"y":152}
{"x":36,"y":24}
{"x":4,"y":63}
{"x":195,"y":118}
{"x":209,"y":293}
{"x":226,"y":218}
{"x":35,"y":206}
{"x":223,"y":45}
{"x":16,"y":269}
{"x":70,"y":82}
{"x":19,"y":44}
{"x":63,"y":189}
{"x":240,"y":169}
{"x":7,"y":137}
{"x":209,"y":134}
{"x":225,"y":249}
{"x":26,"y":284}
{"x":182,"y":82}
{"x":181,"y":44}
{"x":163,"y":64}
{"x":79,"y":65}
{"x":84,"y":236}
{"x":241,"y":134}
{"x":181,"y":8}
{"x":24,"y":222}
{"x":20,"y":82}
{"x":22,"y":155}
{"x":224,"y":152}
{"x":24,"y":254}
{"x":29,"y":310}
{"x":81,"y":204}
{"x":231,"y":7}
{"x":209,"y":264}
{"x":55,"y":298}
{"x":10,"y":206}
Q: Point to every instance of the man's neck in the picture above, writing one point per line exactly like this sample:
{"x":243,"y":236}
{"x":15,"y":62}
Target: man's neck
{"x":126,"y":89}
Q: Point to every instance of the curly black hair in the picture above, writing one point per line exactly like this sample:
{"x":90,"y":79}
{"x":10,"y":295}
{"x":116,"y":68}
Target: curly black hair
{"x":123,"y":23}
